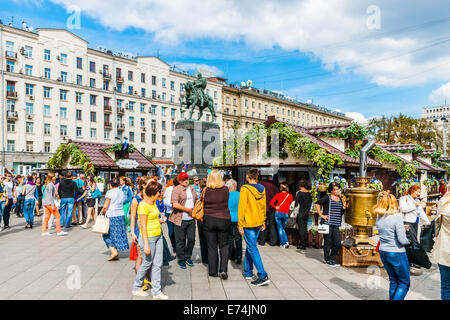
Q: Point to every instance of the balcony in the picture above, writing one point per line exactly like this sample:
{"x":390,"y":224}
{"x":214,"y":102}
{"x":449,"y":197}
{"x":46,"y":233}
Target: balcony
{"x":108,"y":125}
{"x":119,"y":79}
{"x":13,"y":115}
{"x":10,"y":55}
{"x":11,"y":94}
{"x":107,"y":76}
{"x":120,"y":110}
{"x":120,"y":126}
{"x":107,"y":109}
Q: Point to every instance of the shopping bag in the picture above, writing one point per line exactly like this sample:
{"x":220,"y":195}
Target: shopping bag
{"x":133,"y":251}
{"x":417,"y":255}
{"x":427,"y":237}
{"x":101,"y":225}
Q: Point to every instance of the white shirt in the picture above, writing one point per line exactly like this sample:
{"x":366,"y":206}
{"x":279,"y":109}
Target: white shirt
{"x":409,"y":210}
{"x":9,"y":189}
{"x":189,"y":204}
{"x":117,"y":199}
{"x":168,"y":199}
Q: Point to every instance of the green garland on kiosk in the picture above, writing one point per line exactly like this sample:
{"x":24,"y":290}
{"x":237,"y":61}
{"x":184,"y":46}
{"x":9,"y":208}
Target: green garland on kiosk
{"x":78,"y":158}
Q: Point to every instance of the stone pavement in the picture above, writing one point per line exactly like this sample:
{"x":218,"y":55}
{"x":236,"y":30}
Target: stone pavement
{"x":35,"y":267}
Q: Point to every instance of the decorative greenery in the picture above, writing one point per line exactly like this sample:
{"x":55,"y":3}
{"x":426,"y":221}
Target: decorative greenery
{"x":376,"y":184}
{"x":118,"y":147}
{"x":354,"y":131}
{"x":99,"y":179}
{"x":342,"y":182}
{"x":78,"y":158}
{"x":402,"y":185}
{"x":405,"y":170}
{"x":430,"y":183}
{"x":435,"y":154}
{"x":443,"y":165}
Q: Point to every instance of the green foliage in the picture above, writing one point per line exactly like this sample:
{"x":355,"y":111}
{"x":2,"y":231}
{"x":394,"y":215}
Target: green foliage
{"x":443,"y":165}
{"x":78,"y":158}
{"x":405,"y":170}
{"x":354,"y":131}
{"x":118,"y":147}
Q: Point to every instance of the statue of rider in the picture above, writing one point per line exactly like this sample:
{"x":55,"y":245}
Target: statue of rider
{"x":199,"y":87}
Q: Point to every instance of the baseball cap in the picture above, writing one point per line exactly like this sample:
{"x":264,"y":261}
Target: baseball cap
{"x":75,"y":174}
{"x":183,"y":176}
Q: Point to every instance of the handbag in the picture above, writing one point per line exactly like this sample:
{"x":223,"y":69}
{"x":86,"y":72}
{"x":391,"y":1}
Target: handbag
{"x":293,"y":209}
{"x":101,"y":224}
{"x":426,"y":237}
{"x":198,"y":211}
{"x":323,"y":227}
{"x":133,"y":251}
{"x":96,"y":194}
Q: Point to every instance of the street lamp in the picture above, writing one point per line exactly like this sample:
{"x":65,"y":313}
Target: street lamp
{"x":445,"y":121}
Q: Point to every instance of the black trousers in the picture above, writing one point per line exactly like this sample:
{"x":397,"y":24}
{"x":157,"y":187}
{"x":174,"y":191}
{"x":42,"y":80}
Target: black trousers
{"x":185,"y":238}
{"x":217,"y":232}
{"x":235,"y":242}
{"x":270,"y":234}
{"x":7,"y":212}
{"x":302,"y":222}
{"x":413,"y":231}
{"x":332,"y":243}
{"x":203,"y":244}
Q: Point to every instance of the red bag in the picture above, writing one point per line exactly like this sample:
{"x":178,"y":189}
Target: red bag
{"x":377,"y":249}
{"x":133,"y":251}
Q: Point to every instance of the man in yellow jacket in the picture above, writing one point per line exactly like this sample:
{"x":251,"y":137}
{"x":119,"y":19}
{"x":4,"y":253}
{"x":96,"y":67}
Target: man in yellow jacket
{"x":251,"y":220}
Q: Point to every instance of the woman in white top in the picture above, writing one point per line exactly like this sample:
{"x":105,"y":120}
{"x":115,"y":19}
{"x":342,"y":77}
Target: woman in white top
{"x":411,"y":209}
{"x":168,"y":207}
{"x":441,"y":249}
{"x":116,"y":239}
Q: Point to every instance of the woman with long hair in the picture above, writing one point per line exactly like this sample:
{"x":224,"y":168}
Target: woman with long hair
{"x":303,"y":199}
{"x":91,"y":186}
{"x":201,"y":230}
{"x":168,"y":205}
{"x":50,"y":209}
{"x":31,"y":197}
{"x":441,"y":249}
{"x":128,"y":193}
{"x":281,"y":203}
{"x":39,"y":191}
{"x":392,"y":245}
{"x":20,"y":198}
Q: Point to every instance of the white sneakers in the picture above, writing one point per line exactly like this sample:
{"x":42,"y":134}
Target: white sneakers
{"x":140,"y":293}
{"x":161,"y":296}
{"x":62,"y":233}
{"x":47,"y":234}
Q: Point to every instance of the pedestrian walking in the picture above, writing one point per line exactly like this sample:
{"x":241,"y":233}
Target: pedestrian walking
{"x":3,"y":199}
{"x":393,"y":240}
{"x":269,"y":234}
{"x":281,"y":202}
{"x":183,"y":200}
{"x":20,"y":198}
{"x":116,"y":239}
{"x":201,"y":230}
{"x":331,"y":208}
{"x":12,"y":198}
{"x":67,"y":191}
{"x":303,"y":200}
{"x":167,"y":199}
{"x":77,"y":216}
{"x":126,"y":189}
{"x":31,"y":198}
{"x":235,"y":237}
{"x":216,"y":224}
{"x":50,"y":209}
{"x":39,"y":194}
{"x":150,"y":242}
{"x":251,"y":220}
{"x":91,"y":186}
{"x":441,"y":249}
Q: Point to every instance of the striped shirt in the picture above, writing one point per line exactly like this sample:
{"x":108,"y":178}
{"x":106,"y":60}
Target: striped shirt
{"x":334,"y":215}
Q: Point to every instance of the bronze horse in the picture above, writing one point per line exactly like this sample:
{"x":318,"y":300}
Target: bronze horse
{"x":193,"y":100}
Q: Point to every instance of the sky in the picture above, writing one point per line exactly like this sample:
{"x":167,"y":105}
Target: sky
{"x":365,"y":58}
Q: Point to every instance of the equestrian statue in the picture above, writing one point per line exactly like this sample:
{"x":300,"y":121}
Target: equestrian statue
{"x":196,"y":97}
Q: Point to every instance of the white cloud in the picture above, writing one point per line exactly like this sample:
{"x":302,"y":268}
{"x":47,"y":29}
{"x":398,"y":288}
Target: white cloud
{"x":358,"y":117}
{"x":334,"y":31}
{"x":197,"y":66}
{"x":441,"y":94}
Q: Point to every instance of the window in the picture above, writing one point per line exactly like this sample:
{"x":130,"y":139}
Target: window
{"x":131,"y":136}
{"x":172,"y":85}
{"x":92,"y":82}
{"x":130,"y":75}
{"x":93,"y":99}
{"x":143,"y":78}
{"x":63,"y":95}
{"x":107,"y":134}
{"x":63,"y":130}
{"x":28,"y":89}
{"x":28,"y":70}
{"x":106,"y":101}
{"x":79,"y":80}
{"x":142,"y":136}
{"x":172,"y":126}
{"x":47,"y":128}
{"x":153,"y":109}
{"x":234,"y":101}
{"x":118,"y":73}
{"x":47,"y":92}
{"x":154,"y":80}
{"x":63,"y":76}
{"x":29,"y":108}
{"x":172,"y":113}
{"x":163,"y":96}
{"x":142,"y":122}
{"x":131,"y":121}
{"x":47,"y":55}
{"x":93,"y":133}
{"x":78,"y":132}
{"x":215,"y":94}
{"x":11,"y":145}
{"x":153,"y":152}
{"x":78,"y":97}
{"x":29,"y":146}
{"x":29,"y":127}
{"x":105,"y":85}
{"x":153,"y":124}
{"x":47,"y":73}
{"x":227,"y":99}
{"x":181,"y":86}
{"x":131,"y":105}
{"x":153,"y":94}
{"x":246,"y":102}
{"x":163,"y":82}
{"x":91,"y":66}
{"x":11,"y":125}
{"x":63,"y":58}
{"x":47,"y":147}
{"x":153,"y":138}
{"x":163,"y":152}
{"x":93,"y":116}
{"x":172,"y":98}
{"x":46,"y":110}
{"x":130,"y":89}
{"x":11,"y":106}
{"x":79,"y":63}
{"x":163,"y":139}
{"x":78,"y":114}
{"x":163,"y":111}
{"x":10,"y":66}
{"x":143,"y":92}
{"x":163,"y":125}
{"x":118,"y":87}
{"x":63,"y":112}
{"x":28,"y":52}
{"x":142,"y":107}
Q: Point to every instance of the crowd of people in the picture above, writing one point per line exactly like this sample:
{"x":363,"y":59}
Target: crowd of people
{"x":256,"y":214}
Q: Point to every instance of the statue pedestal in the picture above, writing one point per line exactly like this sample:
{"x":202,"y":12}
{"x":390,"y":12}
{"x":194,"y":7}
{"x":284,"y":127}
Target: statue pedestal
{"x":197,"y":143}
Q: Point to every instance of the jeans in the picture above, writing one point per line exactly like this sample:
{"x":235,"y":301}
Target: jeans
{"x":331,"y":243}
{"x":154,"y":261}
{"x":28,"y":210}
{"x":252,"y":255}
{"x":66,"y":209}
{"x":7,"y":212}
{"x":185,"y":238}
{"x":2,"y":208}
{"x":20,"y":204}
{"x":302,"y":222}
{"x":397,"y":267}
{"x":203,"y":244}
{"x":281,"y":219}
{"x":270,"y":233}
{"x":216,"y":233}
{"x":235,"y":242}
{"x":445,"y":282}
{"x":171,"y":233}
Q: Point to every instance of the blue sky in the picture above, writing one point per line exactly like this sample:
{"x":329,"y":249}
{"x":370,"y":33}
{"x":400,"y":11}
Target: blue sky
{"x":319,"y":50}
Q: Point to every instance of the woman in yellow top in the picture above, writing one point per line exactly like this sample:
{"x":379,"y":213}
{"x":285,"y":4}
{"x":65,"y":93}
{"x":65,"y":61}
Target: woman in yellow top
{"x":150,"y":241}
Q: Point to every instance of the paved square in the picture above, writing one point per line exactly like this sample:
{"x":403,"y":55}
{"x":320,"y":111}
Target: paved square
{"x":35,"y":267}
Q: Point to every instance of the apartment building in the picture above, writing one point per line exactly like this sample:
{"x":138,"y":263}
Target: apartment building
{"x":56,"y":88}
{"x":436,"y":113}
{"x":244,"y":107}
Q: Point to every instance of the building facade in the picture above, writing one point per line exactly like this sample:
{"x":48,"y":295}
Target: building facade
{"x":436,"y":113}
{"x":55,"y":88}
{"x":244,"y":107}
